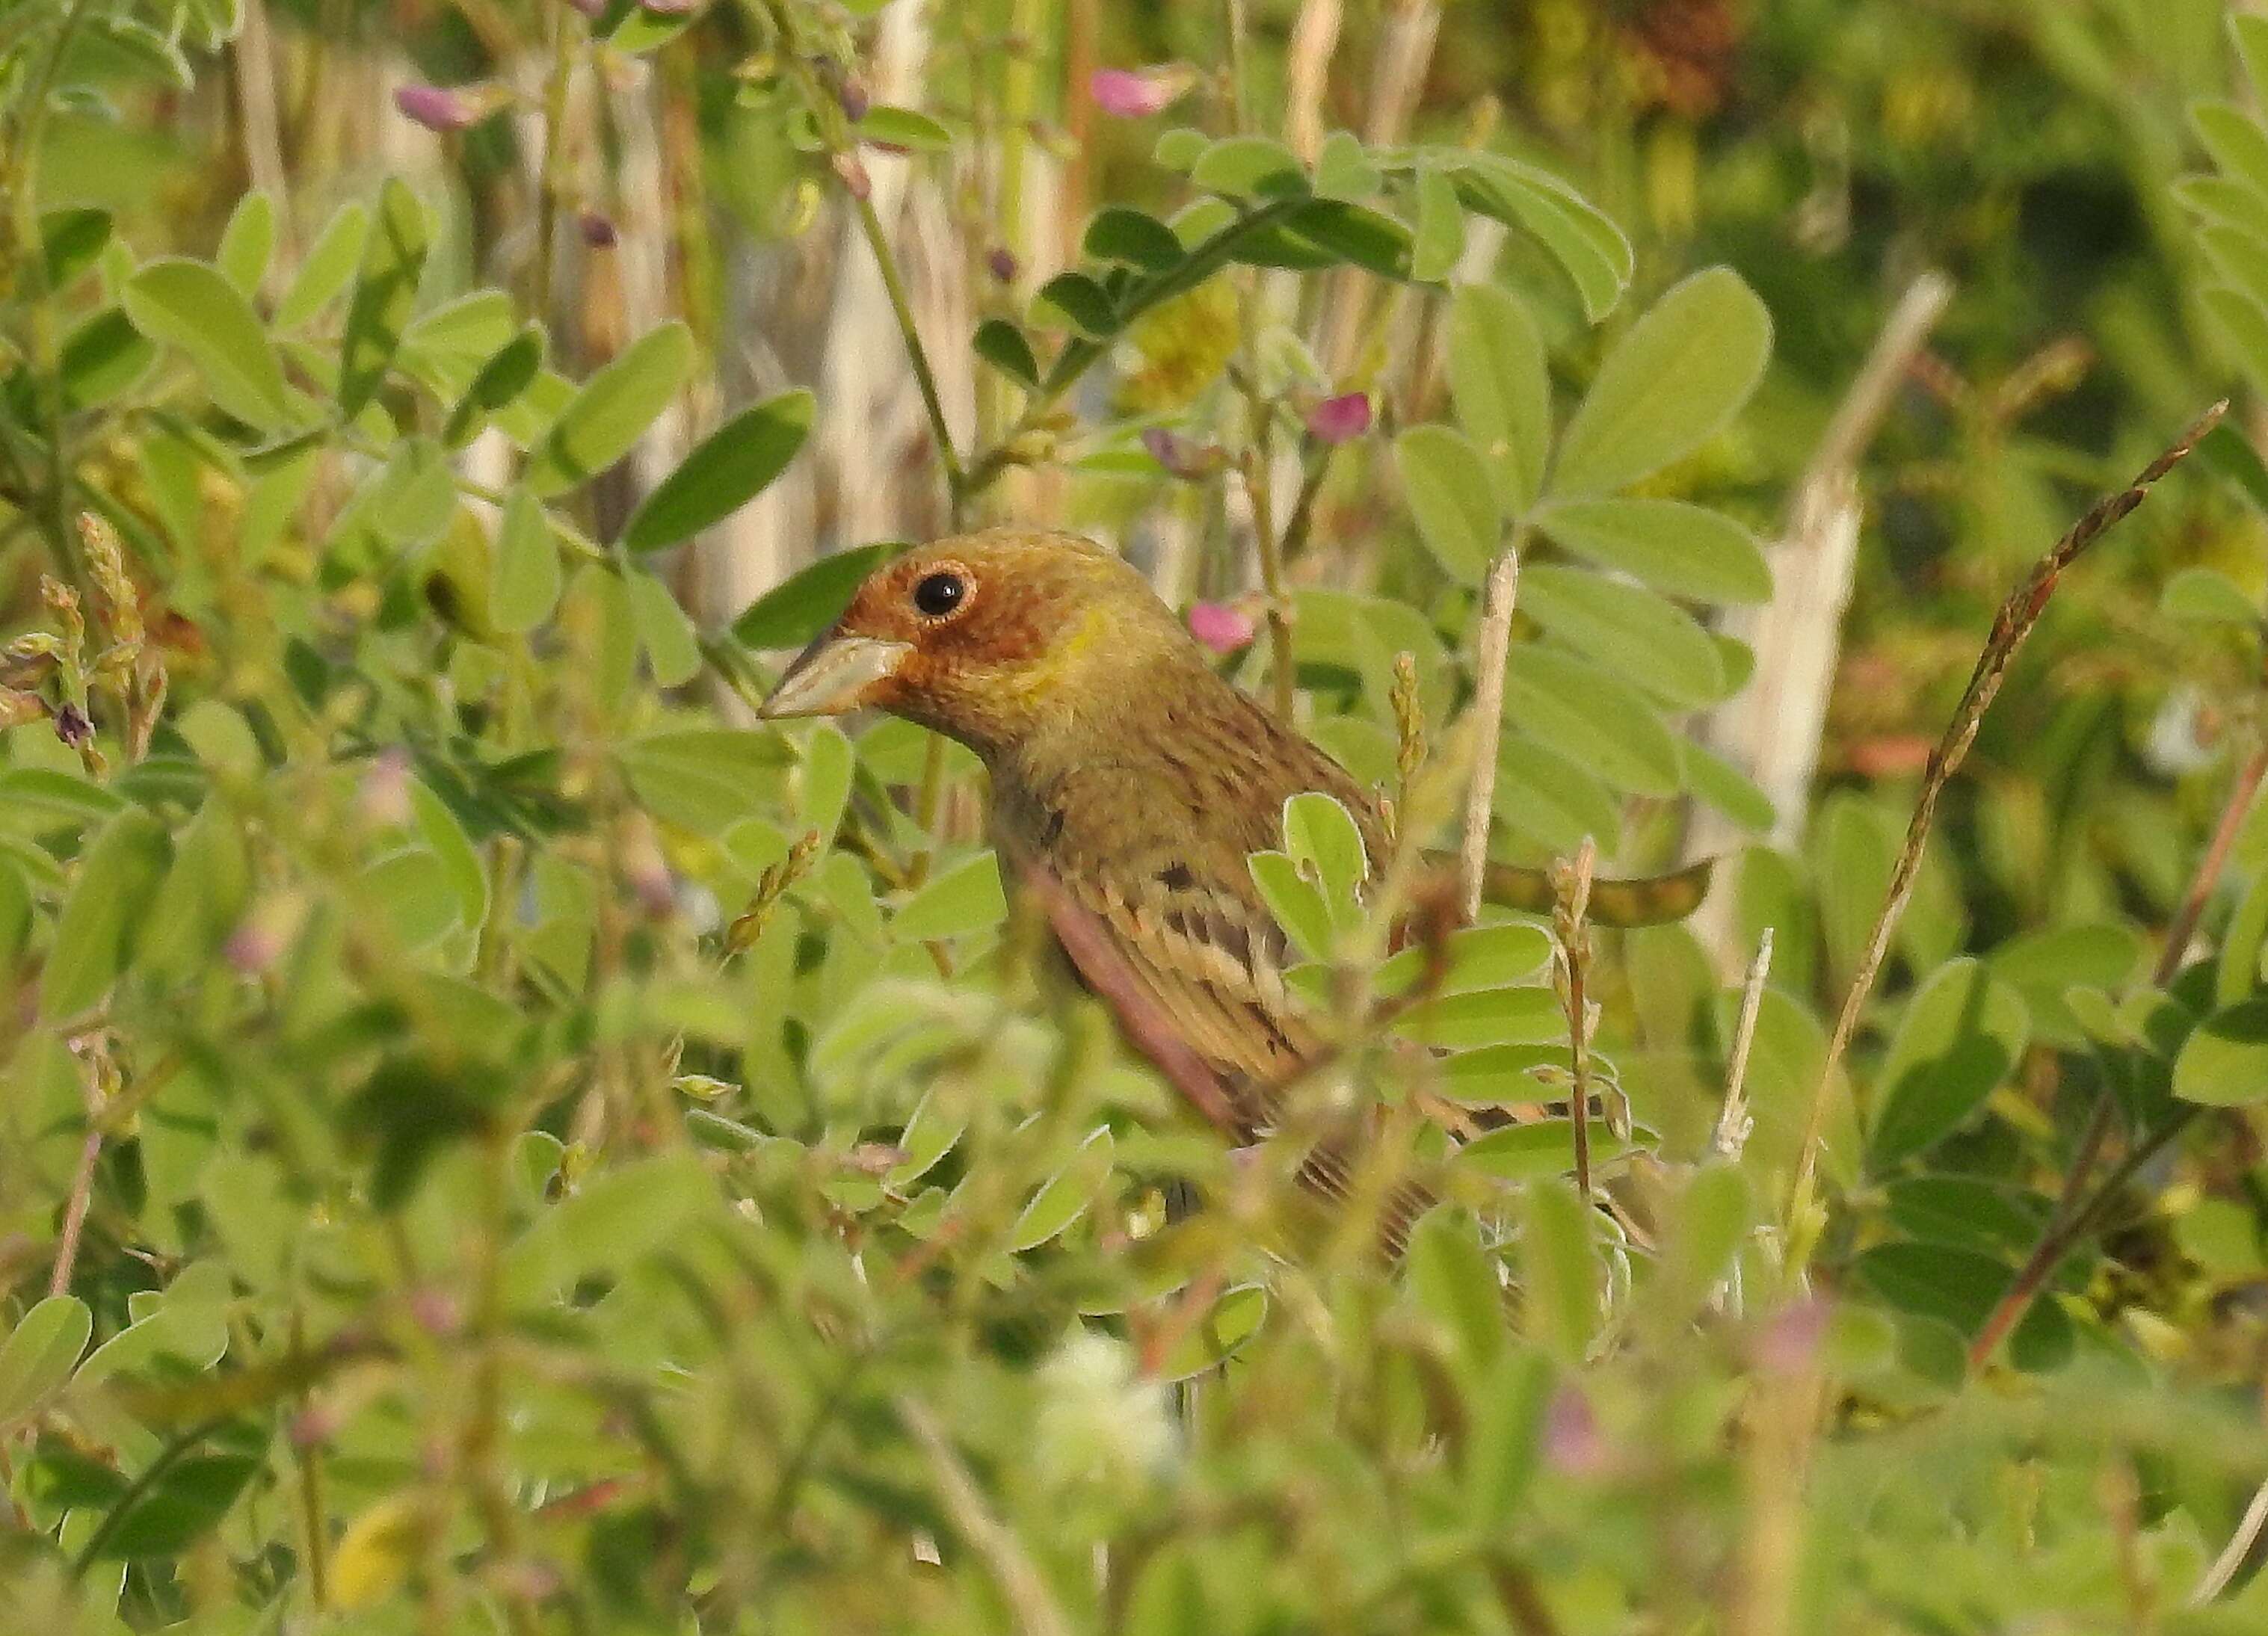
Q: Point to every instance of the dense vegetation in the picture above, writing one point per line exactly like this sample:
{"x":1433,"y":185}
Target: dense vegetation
{"x":492,"y":1137}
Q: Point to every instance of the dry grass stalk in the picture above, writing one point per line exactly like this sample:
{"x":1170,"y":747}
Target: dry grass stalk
{"x":2011,"y":625}
{"x":1733,"y":1123}
{"x":1492,"y":647}
{"x":1572,"y":881}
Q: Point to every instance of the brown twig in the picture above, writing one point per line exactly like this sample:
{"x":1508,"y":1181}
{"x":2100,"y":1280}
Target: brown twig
{"x":1491,"y":648}
{"x":2011,"y":625}
{"x":1573,"y":883}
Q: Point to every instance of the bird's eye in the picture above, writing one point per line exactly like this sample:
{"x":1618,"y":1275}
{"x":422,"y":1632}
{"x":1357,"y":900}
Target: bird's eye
{"x":939,"y":594}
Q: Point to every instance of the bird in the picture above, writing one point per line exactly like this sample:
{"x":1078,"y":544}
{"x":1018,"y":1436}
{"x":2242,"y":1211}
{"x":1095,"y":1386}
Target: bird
{"x":1130,"y":781}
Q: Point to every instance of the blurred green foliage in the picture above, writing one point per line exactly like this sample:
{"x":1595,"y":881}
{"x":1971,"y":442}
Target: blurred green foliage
{"x":491,"y":1140}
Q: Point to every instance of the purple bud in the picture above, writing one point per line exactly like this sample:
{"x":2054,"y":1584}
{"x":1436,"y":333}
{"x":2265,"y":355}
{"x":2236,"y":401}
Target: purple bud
{"x":382,"y":794}
{"x":435,"y":107}
{"x":1340,"y":420}
{"x":853,"y":175}
{"x":1220,"y":627}
{"x":73,"y":727}
{"x":1177,"y":454}
{"x":1133,"y":94}
{"x":313,"y":1426}
{"x":435,"y":1311}
{"x":855,"y":102}
{"x":1571,"y":1440}
{"x":1001,"y":261}
{"x":598,"y":230}
{"x":1790,"y":1340}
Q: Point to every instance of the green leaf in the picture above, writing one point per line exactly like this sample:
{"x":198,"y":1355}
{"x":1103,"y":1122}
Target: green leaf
{"x":248,"y":241}
{"x":2231,"y":203}
{"x":2235,"y":140}
{"x":1680,"y":549}
{"x":1540,"y":1147}
{"x":1454,"y":1282}
{"x":1134,"y":236}
{"x":448,"y":346}
{"x":1343,"y":169}
{"x":1519,"y":1015}
{"x":1440,"y":239}
{"x":706,"y":779}
{"x":102,"y":358}
{"x":1220,"y":1335}
{"x":2224,"y":1062}
{"x":386,"y":294}
{"x":671,"y":649}
{"x":40,"y":1355}
{"x":415,"y":495}
{"x":2226,"y":450}
{"x":524,"y":565}
{"x":1629,"y":629}
{"x":797,"y":609}
{"x":616,"y":1217}
{"x":2207,"y":596}
{"x":1323,"y":839}
{"x":327,"y":267}
{"x":188,"y":304}
{"x":1724,"y":786}
{"x":1960,"y":1288}
{"x":2044,"y":965}
{"x":1673,"y":382}
{"x":1065,"y":1196}
{"x":611,"y":412}
{"x":930,"y":1132}
{"x":1591,"y":718}
{"x":443,"y":832}
{"x":967,"y":898}
{"x":1452,"y":497}
{"x":73,"y":239}
{"x":508,"y":372}
{"x":2243,"y":322}
{"x":1962,"y":1035}
{"x":2248,"y":32}
{"x":1294,"y":901}
{"x":1076,"y":301}
{"x":903,"y":128}
{"x":1560,"y":1266}
{"x":2236,"y":973}
{"x":62,"y":795}
{"x":1002,"y":345}
{"x":101,"y":921}
{"x":1591,"y":248}
{"x":1180,"y":147}
{"x":181,"y":1507}
{"x":1500,"y":386}
{"x":1354,"y":233}
{"x":732,"y":465}
{"x":412,"y":887}
{"x":1249,"y":167}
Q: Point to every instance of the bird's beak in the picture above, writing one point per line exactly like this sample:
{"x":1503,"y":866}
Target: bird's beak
{"x":835,"y":674}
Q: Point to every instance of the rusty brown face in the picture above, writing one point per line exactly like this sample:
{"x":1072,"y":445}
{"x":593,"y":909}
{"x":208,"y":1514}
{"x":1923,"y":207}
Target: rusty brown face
{"x":971,"y":635}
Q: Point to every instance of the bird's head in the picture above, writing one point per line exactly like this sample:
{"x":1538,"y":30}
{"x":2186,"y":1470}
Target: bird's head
{"x":987,"y":638}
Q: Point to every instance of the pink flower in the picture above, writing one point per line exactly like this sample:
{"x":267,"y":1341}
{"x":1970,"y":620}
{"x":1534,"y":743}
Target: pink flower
{"x":1136,"y":93}
{"x":1340,"y":420}
{"x":598,"y":230}
{"x":438,"y":108}
{"x":1791,"y":1339}
{"x":1221,"y":627}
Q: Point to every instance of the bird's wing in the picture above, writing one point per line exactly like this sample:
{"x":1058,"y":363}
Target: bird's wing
{"x":1214,"y":965}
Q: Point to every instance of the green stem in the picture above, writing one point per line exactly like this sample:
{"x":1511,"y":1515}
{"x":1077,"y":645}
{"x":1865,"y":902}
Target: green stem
{"x":555,"y":149}
{"x":31,"y":256}
{"x":1081,"y":354}
{"x":144,"y":1480}
{"x":835,"y":135}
